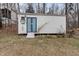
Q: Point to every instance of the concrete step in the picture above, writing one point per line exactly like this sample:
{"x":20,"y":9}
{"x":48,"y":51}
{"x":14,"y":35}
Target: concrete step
{"x":30,"y":35}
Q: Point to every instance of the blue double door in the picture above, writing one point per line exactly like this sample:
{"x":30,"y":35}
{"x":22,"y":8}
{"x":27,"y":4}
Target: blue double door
{"x":31,"y":24}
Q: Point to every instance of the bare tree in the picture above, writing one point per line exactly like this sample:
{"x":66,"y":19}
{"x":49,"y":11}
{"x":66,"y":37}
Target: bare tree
{"x":52,"y":8}
{"x":38,"y":8}
{"x":0,"y":17}
{"x":56,"y":9}
{"x":62,"y":11}
{"x":71,"y":18}
{"x":78,"y":13}
{"x":44,"y":8}
{"x":50,"y":11}
{"x":30,"y":8}
{"x":18,"y":7}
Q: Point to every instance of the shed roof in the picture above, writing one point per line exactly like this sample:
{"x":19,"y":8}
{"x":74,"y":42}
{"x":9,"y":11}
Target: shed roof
{"x":39,"y":14}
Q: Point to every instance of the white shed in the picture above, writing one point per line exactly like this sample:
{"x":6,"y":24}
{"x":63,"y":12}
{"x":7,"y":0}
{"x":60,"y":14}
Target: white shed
{"x":41,"y":24}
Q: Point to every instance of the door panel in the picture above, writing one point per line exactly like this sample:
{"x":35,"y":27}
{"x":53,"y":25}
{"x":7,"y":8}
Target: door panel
{"x":28,"y":24}
{"x":31,"y":24}
{"x":34,"y":24}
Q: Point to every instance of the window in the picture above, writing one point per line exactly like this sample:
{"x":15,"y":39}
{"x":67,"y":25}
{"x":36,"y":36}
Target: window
{"x":6,"y":13}
{"x":9,"y":16}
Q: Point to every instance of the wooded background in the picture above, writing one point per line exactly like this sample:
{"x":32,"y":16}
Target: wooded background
{"x":70,"y":10}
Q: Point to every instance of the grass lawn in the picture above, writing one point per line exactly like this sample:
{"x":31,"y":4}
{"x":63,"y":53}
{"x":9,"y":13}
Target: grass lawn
{"x":11,"y":44}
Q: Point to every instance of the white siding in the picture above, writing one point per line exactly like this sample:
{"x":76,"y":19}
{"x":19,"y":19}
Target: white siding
{"x":21,"y":27}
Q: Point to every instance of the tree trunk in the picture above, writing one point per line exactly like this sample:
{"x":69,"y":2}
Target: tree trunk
{"x":66,"y":16}
{"x":0,"y":17}
{"x":44,"y":8}
{"x":78,"y":14}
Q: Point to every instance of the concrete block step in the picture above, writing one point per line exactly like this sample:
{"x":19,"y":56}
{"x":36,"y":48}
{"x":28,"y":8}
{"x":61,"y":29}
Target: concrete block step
{"x":30,"y":35}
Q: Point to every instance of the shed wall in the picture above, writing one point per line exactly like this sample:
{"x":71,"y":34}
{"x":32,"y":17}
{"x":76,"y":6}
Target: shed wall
{"x":45,"y":24}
